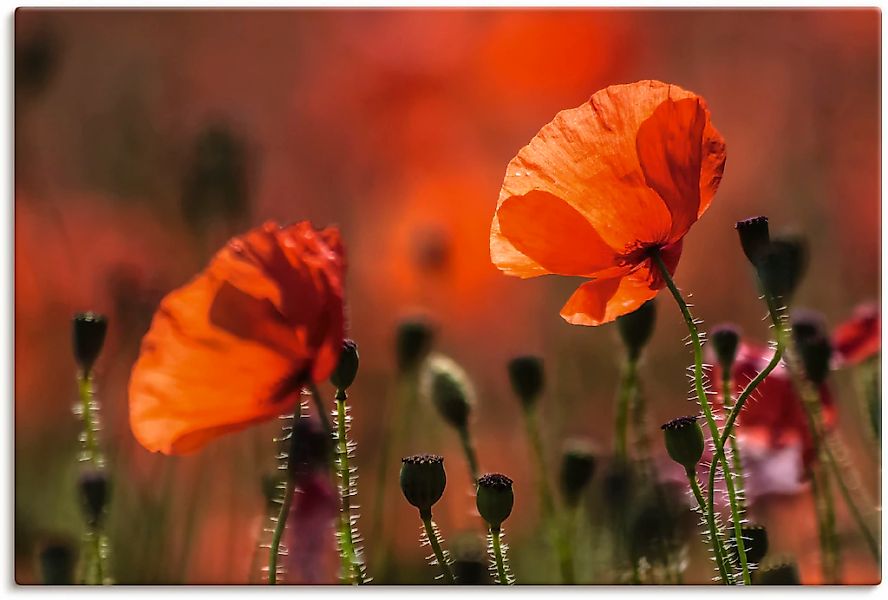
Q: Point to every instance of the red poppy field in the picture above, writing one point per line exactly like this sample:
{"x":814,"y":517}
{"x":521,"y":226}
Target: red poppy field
{"x":447,"y":297}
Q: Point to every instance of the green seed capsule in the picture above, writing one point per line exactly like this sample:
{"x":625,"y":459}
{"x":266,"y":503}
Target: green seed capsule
{"x":684,"y":441}
{"x":88,"y":335}
{"x":754,"y":237}
{"x":423,"y":481}
{"x":527,"y":378}
{"x":636,"y":328}
{"x":495,"y":499}
{"x":347,"y":367}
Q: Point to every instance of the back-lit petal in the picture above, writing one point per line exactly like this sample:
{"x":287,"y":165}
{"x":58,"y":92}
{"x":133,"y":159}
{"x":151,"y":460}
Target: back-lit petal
{"x":234,"y":345}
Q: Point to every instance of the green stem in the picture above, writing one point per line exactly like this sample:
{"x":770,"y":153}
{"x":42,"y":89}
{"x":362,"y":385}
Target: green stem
{"x":432,"y":535}
{"x":702,"y":399}
{"x":499,"y":558}
{"x":737,"y":462}
{"x":469,"y":451}
{"x":621,"y":423}
{"x":713,"y":530}
{"x":279,"y":527}
{"x":547,"y":502}
{"x":349,"y":553}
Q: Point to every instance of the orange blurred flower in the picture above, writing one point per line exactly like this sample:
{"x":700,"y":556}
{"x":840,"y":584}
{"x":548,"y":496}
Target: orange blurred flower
{"x":235,"y":345}
{"x":601,"y":187}
{"x":860,"y":337}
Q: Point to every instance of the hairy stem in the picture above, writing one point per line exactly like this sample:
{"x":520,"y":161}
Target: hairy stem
{"x":349,"y":554}
{"x":279,"y":527}
{"x":469,"y":451}
{"x":502,"y":575}
{"x":435,"y":543}
{"x":710,"y":521}
{"x":628,"y":383}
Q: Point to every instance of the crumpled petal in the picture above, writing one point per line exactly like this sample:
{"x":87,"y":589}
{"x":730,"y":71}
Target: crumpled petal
{"x":234,"y":345}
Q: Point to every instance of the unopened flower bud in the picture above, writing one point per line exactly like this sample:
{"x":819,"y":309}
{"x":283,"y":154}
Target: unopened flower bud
{"x":447,"y":385}
{"x":423,"y":481}
{"x":577,"y":470}
{"x":309,"y":448}
{"x":93,"y":487}
{"x":725,"y":340}
{"x":786,"y":573}
{"x":755,"y":541}
{"x":527,"y":377}
{"x":56,"y":562}
{"x":347,"y":367}
{"x":684,"y":441}
{"x":88,"y":333}
{"x":636,"y":328}
{"x":495,"y":499}
{"x":618,"y":484}
{"x":413,"y":344}
{"x":782,"y":266}
{"x":754,"y":237}
{"x":813,"y":344}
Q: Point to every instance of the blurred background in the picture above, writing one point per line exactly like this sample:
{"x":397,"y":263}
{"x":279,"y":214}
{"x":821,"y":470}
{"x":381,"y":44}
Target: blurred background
{"x":145,"y":139}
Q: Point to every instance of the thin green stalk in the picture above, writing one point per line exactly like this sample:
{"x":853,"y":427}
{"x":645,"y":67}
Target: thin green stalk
{"x":628,"y":383}
{"x":737,"y":462}
{"x":502,"y":574}
{"x":349,"y":554}
{"x":469,"y":451}
{"x":279,"y":527}
{"x":432,"y":536}
{"x":547,"y":502}
{"x":710,"y":521}
{"x":707,"y":408}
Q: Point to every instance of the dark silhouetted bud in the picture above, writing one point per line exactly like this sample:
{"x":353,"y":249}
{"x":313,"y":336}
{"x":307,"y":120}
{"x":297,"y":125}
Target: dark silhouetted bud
{"x":56,"y":562}
{"x":618,"y":484}
{"x":577,"y":470}
{"x":782,"y":266}
{"x":754,"y":237}
{"x":347,"y":368}
{"x":470,"y":565}
{"x":657,"y":521}
{"x":94,"y":492}
{"x":36,"y":60}
{"x":88,"y":331}
{"x":309,"y":448}
{"x":684,"y":441}
{"x":413,"y":343}
{"x":636,"y":328}
{"x":423,"y":481}
{"x":813,"y":343}
{"x":495,"y":499}
{"x":447,"y":385}
{"x":725,"y":340}
{"x":781,"y":574}
{"x":755,"y":541}
{"x":527,"y":377}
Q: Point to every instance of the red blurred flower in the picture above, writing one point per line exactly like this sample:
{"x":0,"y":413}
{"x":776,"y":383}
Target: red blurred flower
{"x":860,"y":337}
{"x":774,"y":414}
{"x":602,"y":186}
{"x":235,"y":345}
{"x":310,"y":538}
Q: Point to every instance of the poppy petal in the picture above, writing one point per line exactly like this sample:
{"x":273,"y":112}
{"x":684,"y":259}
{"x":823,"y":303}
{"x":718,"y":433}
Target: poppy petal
{"x":551,"y":233}
{"x":682,"y":157}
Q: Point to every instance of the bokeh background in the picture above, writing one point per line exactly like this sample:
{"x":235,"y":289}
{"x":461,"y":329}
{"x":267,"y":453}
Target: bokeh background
{"x":144,"y":139}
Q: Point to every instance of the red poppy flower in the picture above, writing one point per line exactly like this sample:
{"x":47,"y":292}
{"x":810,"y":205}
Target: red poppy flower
{"x":860,"y":337}
{"x":602,"y":186}
{"x":235,"y":345}
{"x":774,"y":414}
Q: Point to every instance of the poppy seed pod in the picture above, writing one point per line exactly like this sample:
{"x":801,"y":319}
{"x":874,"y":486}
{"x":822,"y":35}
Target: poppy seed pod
{"x":527,"y":378}
{"x":309,"y":448}
{"x":93,"y":487}
{"x":423,"y":481}
{"x":413,"y":343}
{"x":725,"y":339}
{"x":813,"y":343}
{"x":755,"y":541}
{"x":754,"y":237}
{"x":494,"y":499}
{"x":781,"y":574}
{"x":57,"y":560}
{"x":782,"y":266}
{"x":577,"y":470}
{"x":88,"y":331}
{"x":347,"y":368}
{"x":636,"y":328}
{"x":448,"y":387}
{"x":684,"y":441}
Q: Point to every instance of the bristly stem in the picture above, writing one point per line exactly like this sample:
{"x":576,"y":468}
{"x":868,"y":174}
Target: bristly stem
{"x":547,"y":502}
{"x":469,"y":451}
{"x":499,"y":557}
{"x":703,"y":400}
{"x":736,"y":460}
{"x":349,"y":553}
{"x":443,"y":562}
{"x":717,"y":548}
{"x":279,"y":526}
{"x":628,"y":384}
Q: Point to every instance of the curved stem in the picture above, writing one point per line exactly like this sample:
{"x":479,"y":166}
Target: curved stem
{"x":432,"y":535}
{"x":322,"y":410}
{"x":703,"y":400}
{"x":501,"y":575}
{"x":348,"y":553}
{"x":279,"y":527}
{"x":710,"y":521}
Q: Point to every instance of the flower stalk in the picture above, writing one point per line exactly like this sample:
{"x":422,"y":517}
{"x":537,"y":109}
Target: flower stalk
{"x":352,"y":562}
